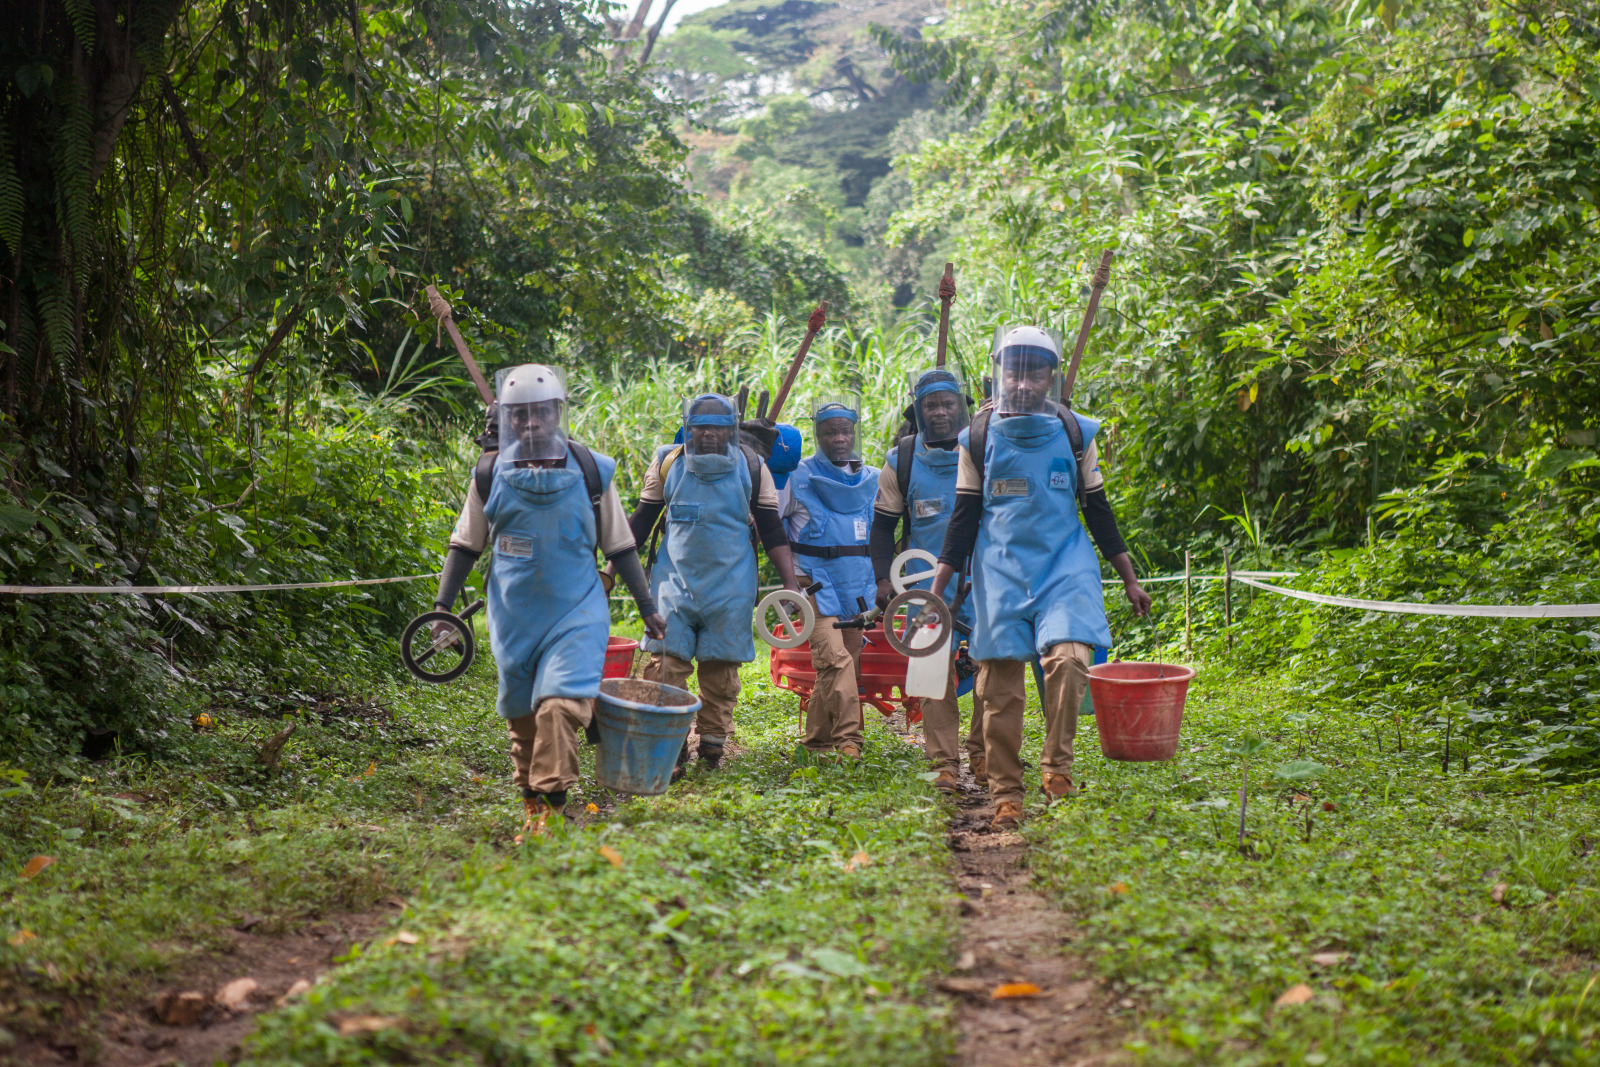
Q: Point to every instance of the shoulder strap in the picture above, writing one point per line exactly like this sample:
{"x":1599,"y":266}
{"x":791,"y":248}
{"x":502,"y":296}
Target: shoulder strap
{"x":654,"y":537}
{"x":483,"y":475}
{"x":1069,"y":423}
{"x":591,"y":478}
{"x":666,"y":464}
{"x":905,"y":448}
{"x":752,"y":463}
{"x":977,"y":441}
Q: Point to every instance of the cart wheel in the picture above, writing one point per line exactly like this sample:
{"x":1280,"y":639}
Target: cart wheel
{"x":903,"y":581}
{"x":437,"y":660}
{"x":907,"y":625}
{"x":779,"y":599}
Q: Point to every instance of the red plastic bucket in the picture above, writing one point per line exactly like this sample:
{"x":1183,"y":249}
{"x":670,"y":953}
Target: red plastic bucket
{"x":619,"y":657}
{"x":1139,"y":708}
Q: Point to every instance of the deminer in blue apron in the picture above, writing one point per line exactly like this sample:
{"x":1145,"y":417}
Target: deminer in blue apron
{"x":918,"y":486}
{"x":545,"y":503}
{"x":713,"y":497}
{"x":1029,"y":495}
{"x":827,"y":510}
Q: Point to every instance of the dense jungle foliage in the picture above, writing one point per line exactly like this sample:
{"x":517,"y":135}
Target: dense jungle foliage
{"x":1351,"y":330}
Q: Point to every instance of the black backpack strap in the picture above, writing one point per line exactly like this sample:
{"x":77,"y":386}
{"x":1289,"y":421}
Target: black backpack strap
{"x":1069,"y":423}
{"x":752,"y":462}
{"x":591,"y":479}
{"x":483,"y":475}
{"x":904,"y":450}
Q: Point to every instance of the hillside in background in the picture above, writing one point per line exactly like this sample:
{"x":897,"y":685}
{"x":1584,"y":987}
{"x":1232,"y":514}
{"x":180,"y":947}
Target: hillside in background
{"x":796,"y":115}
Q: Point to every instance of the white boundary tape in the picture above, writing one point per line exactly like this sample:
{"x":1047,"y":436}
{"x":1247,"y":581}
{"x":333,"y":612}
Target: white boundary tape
{"x":1493,"y":611}
{"x":164,"y":590}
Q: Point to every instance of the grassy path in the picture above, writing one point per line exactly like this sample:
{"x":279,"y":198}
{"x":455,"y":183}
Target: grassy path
{"x":1377,"y":911}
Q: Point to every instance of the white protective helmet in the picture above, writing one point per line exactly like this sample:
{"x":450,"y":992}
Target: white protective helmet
{"x":533,"y":413}
{"x":1027,"y":370}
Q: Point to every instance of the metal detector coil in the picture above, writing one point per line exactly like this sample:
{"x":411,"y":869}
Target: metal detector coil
{"x":780,"y":599}
{"x":925,"y":625}
{"x":439,"y":659}
{"x":903,"y":581}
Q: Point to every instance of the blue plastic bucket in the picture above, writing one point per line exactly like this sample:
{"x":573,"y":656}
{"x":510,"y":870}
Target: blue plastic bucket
{"x":643,"y":726}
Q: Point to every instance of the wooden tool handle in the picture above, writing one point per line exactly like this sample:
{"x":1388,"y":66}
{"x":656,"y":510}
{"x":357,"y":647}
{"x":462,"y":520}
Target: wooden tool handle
{"x":441,"y":311}
{"x":947,"y":285}
{"x":1102,"y":278}
{"x":813,"y":326}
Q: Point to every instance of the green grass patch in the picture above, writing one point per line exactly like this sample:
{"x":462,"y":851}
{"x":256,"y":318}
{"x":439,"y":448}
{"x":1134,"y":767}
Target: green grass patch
{"x":1436,"y":918}
{"x":776,"y":912}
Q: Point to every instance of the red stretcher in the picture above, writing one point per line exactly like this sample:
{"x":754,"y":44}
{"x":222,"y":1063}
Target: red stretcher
{"x":881,"y":680}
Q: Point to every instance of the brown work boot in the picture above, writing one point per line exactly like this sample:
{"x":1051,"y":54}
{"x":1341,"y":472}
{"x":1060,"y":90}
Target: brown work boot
{"x":1058,"y":786}
{"x":849,"y":750}
{"x":947,"y":782}
{"x":979,"y":765}
{"x":1007,"y":815}
{"x":538,"y":811}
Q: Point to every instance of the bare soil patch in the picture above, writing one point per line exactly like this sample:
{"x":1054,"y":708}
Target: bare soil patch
{"x":1013,"y":937}
{"x":192,"y":1017}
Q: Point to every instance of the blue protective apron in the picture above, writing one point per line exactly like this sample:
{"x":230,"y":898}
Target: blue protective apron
{"x":548,"y":617}
{"x":840,"y":505}
{"x":1037,"y":582}
{"x":704,"y":581}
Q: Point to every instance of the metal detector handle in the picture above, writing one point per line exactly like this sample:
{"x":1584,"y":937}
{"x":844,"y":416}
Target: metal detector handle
{"x":472,"y":609}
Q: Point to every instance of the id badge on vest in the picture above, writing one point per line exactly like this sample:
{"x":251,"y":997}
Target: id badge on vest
{"x":929,"y":507}
{"x":1060,"y":473}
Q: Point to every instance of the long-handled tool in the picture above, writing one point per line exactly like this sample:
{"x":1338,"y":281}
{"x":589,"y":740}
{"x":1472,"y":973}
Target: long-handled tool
{"x":813,"y":327}
{"x":946,"y":285}
{"x":1102,"y":277}
{"x":441,"y":311}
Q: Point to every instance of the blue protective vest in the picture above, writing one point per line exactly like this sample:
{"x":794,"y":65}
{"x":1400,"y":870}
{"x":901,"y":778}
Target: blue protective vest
{"x":704,"y":581}
{"x":930,"y":499}
{"x":840,"y":505}
{"x":548,"y":617}
{"x":1036,"y":578}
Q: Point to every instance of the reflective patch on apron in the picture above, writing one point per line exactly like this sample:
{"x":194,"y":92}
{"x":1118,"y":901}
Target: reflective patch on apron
{"x":1060,"y":478}
{"x":511,"y":547}
{"x":927,"y":509}
{"x":1010,"y":487}
{"x":686,"y":514}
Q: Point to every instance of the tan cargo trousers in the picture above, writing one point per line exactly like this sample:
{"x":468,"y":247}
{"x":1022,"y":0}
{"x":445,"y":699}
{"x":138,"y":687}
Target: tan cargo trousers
{"x":544,"y":745}
{"x":1002,"y":691}
{"x":719,"y":691}
{"x":833,"y":715}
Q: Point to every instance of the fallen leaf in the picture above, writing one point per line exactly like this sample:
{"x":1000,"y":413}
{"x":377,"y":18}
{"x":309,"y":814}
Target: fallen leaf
{"x":1298,"y":797}
{"x":967,"y":961}
{"x":612,"y":856}
{"x":1328,"y":805}
{"x":300,"y":986}
{"x":600,"y":1041}
{"x":1496,"y":894}
{"x":1295,"y":994}
{"x":406,"y":937}
{"x":1013,"y":990}
{"x":1118,"y":888}
{"x":858,"y":861}
{"x":352,"y":1025}
{"x":970,"y":986}
{"x":592,"y":808}
{"x":203,"y":721}
{"x":1329,"y":959}
{"x":22,"y":937}
{"x":180,"y":1009}
{"x":37,"y":864}
{"x":233,"y":995}
{"x":372,"y":768}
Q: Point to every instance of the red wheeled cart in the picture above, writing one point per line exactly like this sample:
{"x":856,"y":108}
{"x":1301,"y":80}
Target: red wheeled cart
{"x":881,"y":680}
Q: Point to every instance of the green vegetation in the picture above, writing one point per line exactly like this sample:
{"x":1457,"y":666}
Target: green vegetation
{"x":1435,"y":917}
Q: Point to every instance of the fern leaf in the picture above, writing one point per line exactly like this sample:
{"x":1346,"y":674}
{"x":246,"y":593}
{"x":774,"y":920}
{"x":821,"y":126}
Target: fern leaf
{"x":11,"y":198}
{"x":81,"y":13}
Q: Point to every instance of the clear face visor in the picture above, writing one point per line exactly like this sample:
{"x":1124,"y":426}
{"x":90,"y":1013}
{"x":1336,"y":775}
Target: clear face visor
{"x":710,"y":426}
{"x":835,"y":420}
{"x":534,"y":431}
{"x":940,"y":402}
{"x":1026,"y":380}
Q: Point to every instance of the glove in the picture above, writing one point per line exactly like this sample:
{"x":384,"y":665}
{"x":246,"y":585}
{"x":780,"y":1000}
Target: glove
{"x":759,"y":434}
